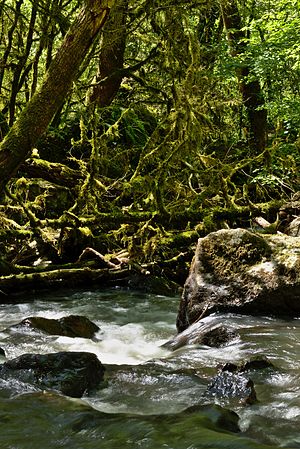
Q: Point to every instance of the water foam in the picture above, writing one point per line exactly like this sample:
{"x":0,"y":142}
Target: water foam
{"x":117,"y":345}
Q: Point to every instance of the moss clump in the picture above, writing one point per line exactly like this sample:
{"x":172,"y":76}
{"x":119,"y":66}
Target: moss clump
{"x":227,"y":252}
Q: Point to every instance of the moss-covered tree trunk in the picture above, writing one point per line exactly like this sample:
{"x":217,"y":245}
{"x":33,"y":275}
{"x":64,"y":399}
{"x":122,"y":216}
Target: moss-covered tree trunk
{"x":34,"y":119}
{"x":252,"y":95}
{"x":111,"y":56}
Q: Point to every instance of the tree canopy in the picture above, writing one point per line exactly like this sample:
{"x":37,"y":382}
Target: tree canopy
{"x":139,"y":126}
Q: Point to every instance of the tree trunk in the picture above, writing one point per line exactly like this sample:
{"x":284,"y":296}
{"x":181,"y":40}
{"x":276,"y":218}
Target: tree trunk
{"x":22,"y":67}
{"x":111,"y":58}
{"x":35,"y":118}
{"x":251,"y":91}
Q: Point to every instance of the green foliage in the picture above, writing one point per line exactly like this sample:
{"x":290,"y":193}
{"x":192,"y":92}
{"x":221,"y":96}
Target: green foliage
{"x":175,"y":137}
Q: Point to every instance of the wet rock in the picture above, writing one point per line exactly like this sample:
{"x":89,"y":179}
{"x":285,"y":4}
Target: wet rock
{"x":71,"y":373}
{"x":235,"y":270}
{"x":293,"y":228}
{"x":220,"y":416}
{"x":256,"y":363}
{"x":200,"y":423}
{"x":228,"y":385}
{"x":2,"y":352}
{"x":203,"y":333}
{"x":69,"y":326}
{"x":218,"y":337}
{"x":230,"y":367}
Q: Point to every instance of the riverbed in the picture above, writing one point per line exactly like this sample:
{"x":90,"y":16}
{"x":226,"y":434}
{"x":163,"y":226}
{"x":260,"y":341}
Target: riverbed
{"x":151,"y":398}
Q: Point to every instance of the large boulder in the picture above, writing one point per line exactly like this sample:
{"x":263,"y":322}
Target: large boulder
{"x":68,"y":326}
{"x":71,"y":373}
{"x":235,"y":270}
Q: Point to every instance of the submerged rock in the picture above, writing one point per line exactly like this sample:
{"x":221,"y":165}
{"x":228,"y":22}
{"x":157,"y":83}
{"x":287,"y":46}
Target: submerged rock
{"x":228,"y":385}
{"x":198,"y":426}
{"x":203,"y":333}
{"x":221,"y":417}
{"x":69,"y":326}
{"x":235,"y":270}
{"x":71,"y":373}
{"x":256,"y":363}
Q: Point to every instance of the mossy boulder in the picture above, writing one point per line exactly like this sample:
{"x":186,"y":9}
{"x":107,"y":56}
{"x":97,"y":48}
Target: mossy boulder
{"x":238,"y":271}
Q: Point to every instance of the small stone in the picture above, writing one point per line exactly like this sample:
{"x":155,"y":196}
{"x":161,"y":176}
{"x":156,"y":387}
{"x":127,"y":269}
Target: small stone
{"x":227,"y":385}
{"x":257,"y":363}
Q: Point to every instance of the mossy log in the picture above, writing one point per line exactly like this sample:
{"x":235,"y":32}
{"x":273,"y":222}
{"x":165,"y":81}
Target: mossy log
{"x":170,"y":257}
{"x":175,"y":221}
{"x":149,"y":278}
{"x":14,"y":285}
{"x":52,"y":171}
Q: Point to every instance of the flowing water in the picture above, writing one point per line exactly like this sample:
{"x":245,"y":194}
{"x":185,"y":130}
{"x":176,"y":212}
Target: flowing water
{"x":144,"y":400}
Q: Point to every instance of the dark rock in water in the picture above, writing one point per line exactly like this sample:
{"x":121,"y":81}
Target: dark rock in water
{"x":220,"y":416}
{"x":204,"y":333}
{"x":71,"y":373}
{"x":228,"y":385}
{"x":206,"y":420}
{"x":235,"y":270}
{"x":230,"y":367}
{"x":218,"y":337}
{"x":69,"y":326}
{"x":2,"y":352}
{"x":256,"y":363}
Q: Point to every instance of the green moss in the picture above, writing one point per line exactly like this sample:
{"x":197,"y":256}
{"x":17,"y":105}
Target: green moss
{"x":85,"y":231}
{"x":225,"y":252}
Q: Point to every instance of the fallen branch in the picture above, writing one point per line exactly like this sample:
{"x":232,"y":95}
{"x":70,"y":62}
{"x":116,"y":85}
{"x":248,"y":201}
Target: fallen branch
{"x":52,"y":171}
{"x":13,"y":285}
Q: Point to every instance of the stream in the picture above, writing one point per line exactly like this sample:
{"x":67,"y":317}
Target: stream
{"x":145,"y":399}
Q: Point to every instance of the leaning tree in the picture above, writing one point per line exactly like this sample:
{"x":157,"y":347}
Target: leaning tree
{"x":35,"y":118}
